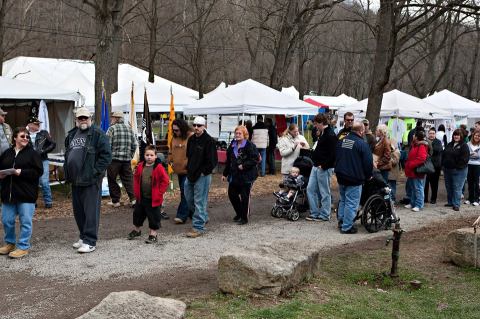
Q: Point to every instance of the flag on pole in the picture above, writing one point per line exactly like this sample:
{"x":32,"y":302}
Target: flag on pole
{"x":171,"y":118}
{"x":133,"y":126}
{"x":147,"y":133}
{"x":105,"y":120}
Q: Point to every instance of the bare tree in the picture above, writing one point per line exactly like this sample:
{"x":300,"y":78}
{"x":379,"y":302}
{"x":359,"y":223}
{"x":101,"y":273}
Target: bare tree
{"x":3,"y":11}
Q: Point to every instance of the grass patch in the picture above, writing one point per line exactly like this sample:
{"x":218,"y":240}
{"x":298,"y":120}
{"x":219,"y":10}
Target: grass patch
{"x":354,"y":286}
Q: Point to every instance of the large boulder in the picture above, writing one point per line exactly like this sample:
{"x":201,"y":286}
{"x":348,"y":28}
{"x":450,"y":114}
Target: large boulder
{"x":136,"y":304}
{"x":266,"y":269}
{"x":460,"y":247}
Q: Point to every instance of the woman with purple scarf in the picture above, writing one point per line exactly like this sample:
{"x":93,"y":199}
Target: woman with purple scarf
{"x":240,"y":172}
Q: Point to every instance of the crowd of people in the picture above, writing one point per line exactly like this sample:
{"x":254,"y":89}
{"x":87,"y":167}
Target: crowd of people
{"x":353,"y":155}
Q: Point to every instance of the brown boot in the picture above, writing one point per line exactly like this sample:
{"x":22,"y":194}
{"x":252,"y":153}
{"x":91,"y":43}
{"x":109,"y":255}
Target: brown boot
{"x":18,"y":253}
{"x":6,"y":249}
{"x":194,"y":233}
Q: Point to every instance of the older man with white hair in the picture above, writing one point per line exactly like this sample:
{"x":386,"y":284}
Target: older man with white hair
{"x":87,"y":156}
{"x":202,"y":159}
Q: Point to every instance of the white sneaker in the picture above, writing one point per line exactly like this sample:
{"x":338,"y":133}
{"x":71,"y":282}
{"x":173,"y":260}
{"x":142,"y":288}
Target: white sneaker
{"x":78,"y":244}
{"x":408,"y":206}
{"x":86,"y":248}
{"x":475,"y":204}
{"x":114,"y":204}
{"x":467,"y":202}
{"x":415,"y":209}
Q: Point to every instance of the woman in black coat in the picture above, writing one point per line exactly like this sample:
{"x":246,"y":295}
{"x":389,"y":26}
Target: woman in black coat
{"x":454,"y":161}
{"x":240,"y":171}
{"x":21,"y":167}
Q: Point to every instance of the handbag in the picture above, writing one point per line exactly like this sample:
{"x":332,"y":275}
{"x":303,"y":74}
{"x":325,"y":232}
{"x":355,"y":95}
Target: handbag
{"x":426,"y":168}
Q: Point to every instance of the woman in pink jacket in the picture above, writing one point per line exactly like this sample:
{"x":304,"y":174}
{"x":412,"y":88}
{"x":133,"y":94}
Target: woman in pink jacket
{"x":416,"y":157}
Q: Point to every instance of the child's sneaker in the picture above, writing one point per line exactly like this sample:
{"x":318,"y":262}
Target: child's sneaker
{"x":151,"y":239}
{"x":134,"y":233}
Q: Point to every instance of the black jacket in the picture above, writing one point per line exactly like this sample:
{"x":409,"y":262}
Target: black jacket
{"x":455,"y":157}
{"x":22,"y":188}
{"x":44,"y":144}
{"x":272,"y":137}
{"x":248,"y":158}
{"x":98,"y":155}
{"x":201,"y":155}
{"x":437,"y":150}
{"x":324,"y":152}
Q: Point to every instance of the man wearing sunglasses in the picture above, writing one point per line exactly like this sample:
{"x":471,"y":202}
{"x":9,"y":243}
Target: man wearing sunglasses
{"x":202,"y":159}
{"x":348,"y":119}
{"x":5,"y":133}
{"x":87,"y":156}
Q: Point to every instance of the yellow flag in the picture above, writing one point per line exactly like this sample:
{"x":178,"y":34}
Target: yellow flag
{"x":171,"y":118}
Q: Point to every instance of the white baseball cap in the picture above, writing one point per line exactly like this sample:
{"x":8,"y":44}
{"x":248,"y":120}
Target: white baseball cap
{"x":199,"y":120}
{"x":82,"y":111}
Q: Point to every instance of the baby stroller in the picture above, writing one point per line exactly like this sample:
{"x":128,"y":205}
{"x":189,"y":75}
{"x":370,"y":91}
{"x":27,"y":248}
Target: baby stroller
{"x":298,"y":203}
{"x":376,"y":211}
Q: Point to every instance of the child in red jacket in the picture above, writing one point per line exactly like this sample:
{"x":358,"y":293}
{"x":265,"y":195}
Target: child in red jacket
{"x":150,"y":182}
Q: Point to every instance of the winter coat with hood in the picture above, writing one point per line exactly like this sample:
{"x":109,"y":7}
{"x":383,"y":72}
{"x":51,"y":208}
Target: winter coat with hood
{"x":416,"y":157}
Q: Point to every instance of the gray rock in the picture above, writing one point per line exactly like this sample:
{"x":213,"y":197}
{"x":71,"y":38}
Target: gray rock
{"x":136,"y":304}
{"x":459,"y":247}
{"x":266,"y":269}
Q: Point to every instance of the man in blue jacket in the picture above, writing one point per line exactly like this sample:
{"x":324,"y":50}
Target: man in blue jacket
{"x":354,"y":165}
{"x":87,"y":156}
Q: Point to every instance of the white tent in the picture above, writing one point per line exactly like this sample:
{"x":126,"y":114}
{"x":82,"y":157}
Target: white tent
{"x":23,"y":90}
{"x":454,"y":103}
{"x":249,"y":97}
{"x":398,"y":104}
{"x":333,"y":102}
{"x":78,"y":75}
{"x":221,"y":86}
{"x":158,"y":95}
{"x":291,"y":91}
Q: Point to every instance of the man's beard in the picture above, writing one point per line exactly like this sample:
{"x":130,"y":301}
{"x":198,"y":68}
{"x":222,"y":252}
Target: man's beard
{"x":83,"y":126}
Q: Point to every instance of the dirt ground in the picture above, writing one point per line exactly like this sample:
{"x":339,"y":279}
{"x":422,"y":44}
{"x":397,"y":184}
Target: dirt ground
{"x":47,"y":297}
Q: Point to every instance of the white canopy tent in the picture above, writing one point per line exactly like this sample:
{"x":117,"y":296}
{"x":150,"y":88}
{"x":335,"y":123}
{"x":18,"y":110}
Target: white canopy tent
{"x":158,"y":95}
{"x":221,"y":86}
{"x":291,"y":91}
{"x":79,"y":76}
{"x":454,"y":103}
{"x":23,"y":90}
{"x":249,"y":97}
{"x":16,"y":98}
{"x":399,"y":104}
{"x":333,"y":102}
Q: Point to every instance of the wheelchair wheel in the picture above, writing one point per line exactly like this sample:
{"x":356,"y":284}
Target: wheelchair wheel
{"x":374,"y":214}
{"x":293,"y":215}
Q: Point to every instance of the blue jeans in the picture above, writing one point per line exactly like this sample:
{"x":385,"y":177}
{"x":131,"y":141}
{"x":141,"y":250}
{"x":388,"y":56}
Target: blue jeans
{"x":196,"y":194}
{"x":263,"y":153}
{"x":454,"y":181}
{"x":318,"y":192}
{"x":408,"y":188}
{"x":384,"y":175}
{"x":45,"y":184}
{"x":25,"y":213}
{"x":417,"y":192}
{"x":348,"y":206}
{"x":182,"y":211}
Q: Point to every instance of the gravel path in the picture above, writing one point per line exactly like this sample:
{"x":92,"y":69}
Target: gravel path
{"x":119,"y":258}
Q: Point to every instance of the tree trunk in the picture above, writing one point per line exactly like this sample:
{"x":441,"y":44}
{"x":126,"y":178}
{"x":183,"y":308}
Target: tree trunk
{"x":302,"y":60}
{"x":3,"y":11}
{"x":383,"y":61}
{"x":109,"y":19}
{"x":474,"y":68}
{"x":153,"y":42}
